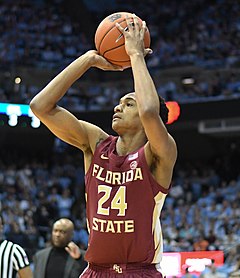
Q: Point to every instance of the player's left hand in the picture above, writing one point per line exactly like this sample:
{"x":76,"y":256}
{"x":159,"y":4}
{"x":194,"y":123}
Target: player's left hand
{"x":134,"y":36}
{"x":73,"y":250}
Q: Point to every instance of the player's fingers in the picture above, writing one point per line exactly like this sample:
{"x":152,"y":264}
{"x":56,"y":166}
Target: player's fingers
{"x":130,"y":23}
{"x":120,"y":28}
{"x":143,"y":29}
{"x":136,"y":23}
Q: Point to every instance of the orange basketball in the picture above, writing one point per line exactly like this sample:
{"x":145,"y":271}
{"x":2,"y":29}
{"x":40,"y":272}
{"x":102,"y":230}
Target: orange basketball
{"x":109,"y":41}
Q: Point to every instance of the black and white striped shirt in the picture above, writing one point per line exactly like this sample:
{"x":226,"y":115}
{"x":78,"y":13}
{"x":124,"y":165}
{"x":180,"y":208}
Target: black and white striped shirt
{"x":12,"y":257}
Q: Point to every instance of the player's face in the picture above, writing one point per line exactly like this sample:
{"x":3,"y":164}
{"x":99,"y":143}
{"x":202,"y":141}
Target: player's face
{"x":126,"y":114}
{"x":61,"y":235}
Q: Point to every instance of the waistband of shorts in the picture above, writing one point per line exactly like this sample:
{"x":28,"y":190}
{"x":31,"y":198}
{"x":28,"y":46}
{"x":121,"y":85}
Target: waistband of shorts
{"x":121,"y":267}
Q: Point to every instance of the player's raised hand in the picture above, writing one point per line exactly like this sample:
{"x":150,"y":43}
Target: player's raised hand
{"x":134,"y":36}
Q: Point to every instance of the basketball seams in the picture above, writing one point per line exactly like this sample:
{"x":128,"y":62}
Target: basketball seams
{"x":112,"y":61}
{"x":108,"y":43}
{"x":116,"y":48}
{"x":113,"y":26}
{"x":113,"y":49}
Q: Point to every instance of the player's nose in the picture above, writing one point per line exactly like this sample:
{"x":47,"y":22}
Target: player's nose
{"x":118,"y":108}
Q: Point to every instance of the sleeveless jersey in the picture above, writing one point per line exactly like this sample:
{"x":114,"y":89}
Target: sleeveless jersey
{"x":123,"y":205}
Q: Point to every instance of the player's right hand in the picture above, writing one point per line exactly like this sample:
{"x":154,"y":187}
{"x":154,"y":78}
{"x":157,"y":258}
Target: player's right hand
{"x":100,"y":62}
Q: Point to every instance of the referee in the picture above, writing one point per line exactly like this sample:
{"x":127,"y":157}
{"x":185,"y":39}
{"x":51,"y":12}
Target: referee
{"x":12,"y":258}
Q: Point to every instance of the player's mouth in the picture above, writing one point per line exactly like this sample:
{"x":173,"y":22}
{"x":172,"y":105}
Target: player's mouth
{"x":116,"y":116}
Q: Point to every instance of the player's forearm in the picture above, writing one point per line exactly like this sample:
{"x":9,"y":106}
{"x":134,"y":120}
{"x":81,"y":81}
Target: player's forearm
{"x":46,"y":100}
{"x":144,"y":86}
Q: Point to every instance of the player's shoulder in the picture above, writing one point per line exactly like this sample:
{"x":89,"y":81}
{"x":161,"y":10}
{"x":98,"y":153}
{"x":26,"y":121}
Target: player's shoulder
{"x":105,"y":139}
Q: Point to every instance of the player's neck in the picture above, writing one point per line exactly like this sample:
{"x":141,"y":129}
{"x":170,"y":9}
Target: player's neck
{"x":127,"y":144}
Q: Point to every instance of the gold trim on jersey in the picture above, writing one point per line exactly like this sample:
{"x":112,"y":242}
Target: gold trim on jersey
{"x":156,"y":227}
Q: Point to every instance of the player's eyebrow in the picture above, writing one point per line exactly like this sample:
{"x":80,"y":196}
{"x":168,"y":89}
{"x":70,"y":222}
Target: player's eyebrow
{"x":126,"y":99}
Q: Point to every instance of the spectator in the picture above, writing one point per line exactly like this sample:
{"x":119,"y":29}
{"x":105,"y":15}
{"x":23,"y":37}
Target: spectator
{"x":211,"y":271}
{"x":188,"y":274}
{"x":201,"y":244}
{"x":63,"y":259}
{"x":236,"y":272}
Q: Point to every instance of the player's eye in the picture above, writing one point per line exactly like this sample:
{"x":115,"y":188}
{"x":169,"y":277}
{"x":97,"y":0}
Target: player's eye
{"x":129,"y":104}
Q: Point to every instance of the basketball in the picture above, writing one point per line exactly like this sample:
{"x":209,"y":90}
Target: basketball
{"x":109,"y":41}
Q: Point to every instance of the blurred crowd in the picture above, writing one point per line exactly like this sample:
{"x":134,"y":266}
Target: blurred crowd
{"x":92,"y":96}
{"x":201,"y":211}
{"x":35,"y":192}
{"x":201,"y":33}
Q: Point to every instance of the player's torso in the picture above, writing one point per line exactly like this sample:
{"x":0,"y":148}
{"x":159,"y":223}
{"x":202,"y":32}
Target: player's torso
{"x":121,"y":208}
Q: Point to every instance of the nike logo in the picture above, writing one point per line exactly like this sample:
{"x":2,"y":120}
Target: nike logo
{"x":103,"y":156}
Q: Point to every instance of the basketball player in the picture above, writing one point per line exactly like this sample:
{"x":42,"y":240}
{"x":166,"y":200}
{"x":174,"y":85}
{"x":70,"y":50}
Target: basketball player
{"x":127,"y":176}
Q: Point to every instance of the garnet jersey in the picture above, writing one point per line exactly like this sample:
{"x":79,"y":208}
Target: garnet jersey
{"x":123,"y":203}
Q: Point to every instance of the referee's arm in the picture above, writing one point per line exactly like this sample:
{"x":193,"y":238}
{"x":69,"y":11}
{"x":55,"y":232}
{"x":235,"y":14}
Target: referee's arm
{"x":21,"y":262}
{"x":25,"y":272}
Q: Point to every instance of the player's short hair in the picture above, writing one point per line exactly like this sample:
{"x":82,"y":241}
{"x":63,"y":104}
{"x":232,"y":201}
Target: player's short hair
{"x":163,"y":110}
